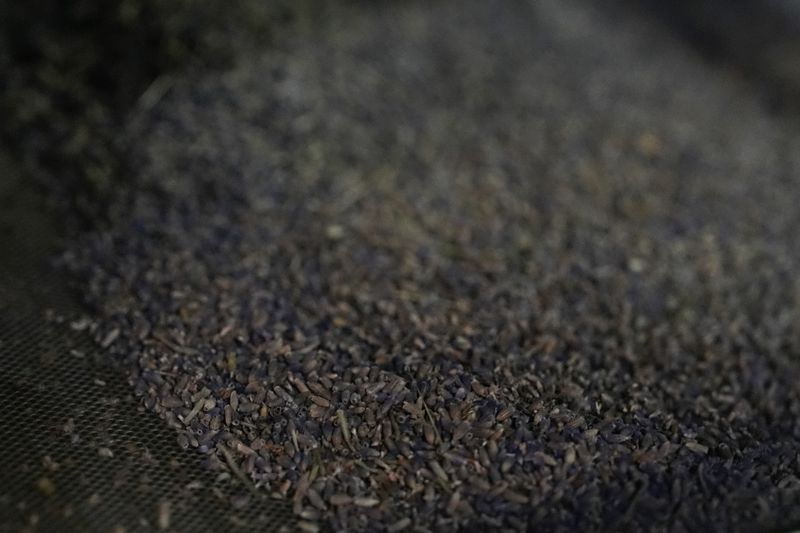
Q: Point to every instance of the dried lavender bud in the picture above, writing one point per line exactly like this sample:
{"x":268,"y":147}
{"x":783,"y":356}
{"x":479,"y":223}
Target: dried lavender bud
{"x":365,"y":502}
{"x":319,"y":400}
{"x":340,"y":499}
{"x":400,"y":525}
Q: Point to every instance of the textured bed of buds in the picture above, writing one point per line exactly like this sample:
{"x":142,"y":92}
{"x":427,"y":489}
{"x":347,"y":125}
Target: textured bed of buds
{"x":465,"y":265}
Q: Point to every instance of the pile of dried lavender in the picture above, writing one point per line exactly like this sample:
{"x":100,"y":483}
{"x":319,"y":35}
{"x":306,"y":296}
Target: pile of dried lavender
{"x":485,"y":264}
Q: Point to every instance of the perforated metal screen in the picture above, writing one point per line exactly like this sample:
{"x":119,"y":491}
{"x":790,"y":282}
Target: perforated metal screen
{"x":79,"y":453}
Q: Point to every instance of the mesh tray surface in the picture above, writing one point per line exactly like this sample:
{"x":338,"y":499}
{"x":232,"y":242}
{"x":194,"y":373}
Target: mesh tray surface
{"x":79,"y":452}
